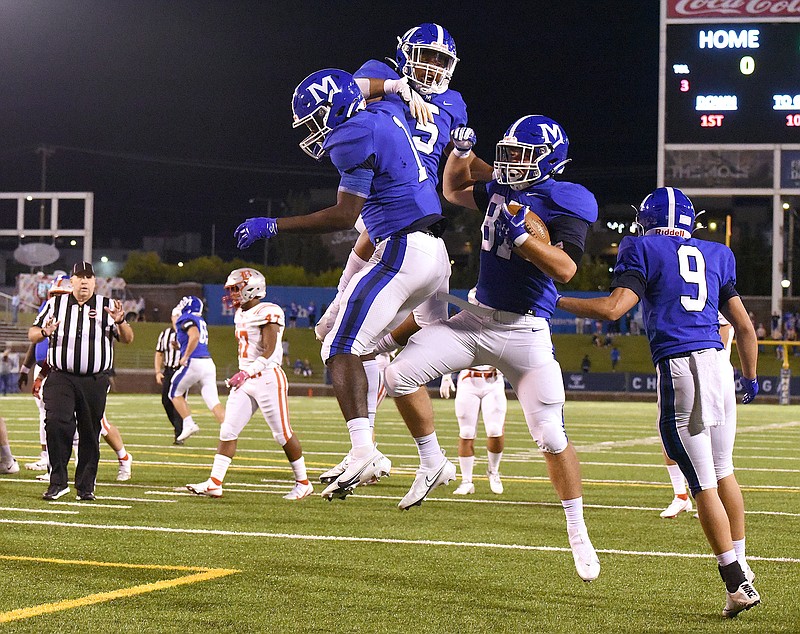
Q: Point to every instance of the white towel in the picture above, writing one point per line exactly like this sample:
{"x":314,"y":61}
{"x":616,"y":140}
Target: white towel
{"x":709,"y":402}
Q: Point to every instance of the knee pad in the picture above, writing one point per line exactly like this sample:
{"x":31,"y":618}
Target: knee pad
{"x":723,"y":469}
{"x":227,"y":432}
{"x":549,"y":433}
{"x":398,"y":383}
{"x":280,"y":438}
{"x":494,"y":429}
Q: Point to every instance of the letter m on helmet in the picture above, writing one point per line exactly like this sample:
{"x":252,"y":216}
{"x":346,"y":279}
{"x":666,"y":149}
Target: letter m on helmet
{"x":324,"y":90}
{"x":552,"y":134}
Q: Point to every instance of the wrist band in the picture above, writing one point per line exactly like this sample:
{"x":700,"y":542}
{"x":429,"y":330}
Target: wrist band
{"x":259,"y":365}
{"x":44,"y":334}
{"x":24,"y":369}
{"x":462,"y":153}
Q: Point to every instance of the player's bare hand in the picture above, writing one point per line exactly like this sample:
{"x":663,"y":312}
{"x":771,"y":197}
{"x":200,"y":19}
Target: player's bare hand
{"x":116,"y":312}
{"x":50,"y":327}
{"x":159,"y":378}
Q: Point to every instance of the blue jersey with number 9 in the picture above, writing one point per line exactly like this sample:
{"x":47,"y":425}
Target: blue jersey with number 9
{"x":681,"y":284}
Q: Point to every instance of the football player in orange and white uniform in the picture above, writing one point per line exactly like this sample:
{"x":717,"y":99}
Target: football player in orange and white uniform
{"x":259,"y":384}
{"x":481,"y":391}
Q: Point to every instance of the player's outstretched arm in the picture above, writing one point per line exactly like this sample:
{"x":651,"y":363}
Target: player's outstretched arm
{"x":609,"y":308}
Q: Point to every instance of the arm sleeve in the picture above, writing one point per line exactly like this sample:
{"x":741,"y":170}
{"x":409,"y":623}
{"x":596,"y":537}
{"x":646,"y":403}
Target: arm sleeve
{"x":629,"y":271}
{"x":570,"y":233}
{"x":480,"y":195}
{"x":357,"y":181}
{"x":727,"y":287}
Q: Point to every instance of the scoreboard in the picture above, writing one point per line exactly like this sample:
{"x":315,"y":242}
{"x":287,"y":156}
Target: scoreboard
{"x":732,"y":83}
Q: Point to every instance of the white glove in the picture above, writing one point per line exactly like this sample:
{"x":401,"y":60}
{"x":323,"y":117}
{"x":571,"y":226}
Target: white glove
{"x":447,"y":387}
{"x":420,"y":109}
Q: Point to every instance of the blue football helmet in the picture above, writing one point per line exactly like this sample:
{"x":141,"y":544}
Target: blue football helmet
{"x":426,"y":55}
{"x":190,"y":304}
{"x":322,"y":101}
{"x":666,"y":211}
{"x":62,"y":285}
{"x":532,"y":150}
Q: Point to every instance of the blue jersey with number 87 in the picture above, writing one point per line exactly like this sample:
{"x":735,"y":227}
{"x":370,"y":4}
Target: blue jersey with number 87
{"x":681,"y":284}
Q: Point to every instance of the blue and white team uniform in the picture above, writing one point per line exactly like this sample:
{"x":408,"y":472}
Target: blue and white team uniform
{"x":681,"y":283}
{"x":448,"y":109}
{"x":201,"y":368}
{"x":377,"y":159}
{"x":508,"y":328}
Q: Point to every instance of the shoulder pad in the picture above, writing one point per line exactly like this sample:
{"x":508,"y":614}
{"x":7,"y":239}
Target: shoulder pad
{"x":575,"y":198}
{"x":350,"y":144}
{"x":375,"y":69}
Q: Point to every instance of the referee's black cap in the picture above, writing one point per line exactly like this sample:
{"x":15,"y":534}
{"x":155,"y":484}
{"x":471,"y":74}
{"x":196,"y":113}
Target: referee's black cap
{"x":83,"y":269}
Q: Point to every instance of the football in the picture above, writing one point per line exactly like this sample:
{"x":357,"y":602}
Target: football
{"x":533,"y":224}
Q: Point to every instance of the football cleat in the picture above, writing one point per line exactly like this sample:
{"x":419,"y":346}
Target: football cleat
{"x":465,"y":488}
{"x":299,"y":491}
{"x":208,"y":488}
{"x":43,"y":477}
{"x":586,"y":562}
{"x":86,"y":496}
{"x":426,"y":481}
{"x":360,"y":471}
{"x":124,"y":472}
{"x":39,"y":465}
{"x":676,"y":507}
{"x":188,"y":429}
{"x":334,"y":472}
{"x":12,"y":466}
{"x":745,"y":597}
{"x":55,"y":491}
{"x":748,"y":572}
{"x":495,"y":483}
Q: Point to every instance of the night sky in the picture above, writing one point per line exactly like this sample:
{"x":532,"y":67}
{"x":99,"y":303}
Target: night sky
{"x":176,"y":113}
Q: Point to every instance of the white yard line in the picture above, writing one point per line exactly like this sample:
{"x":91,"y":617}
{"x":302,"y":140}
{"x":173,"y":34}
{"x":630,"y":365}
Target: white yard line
{"x":372,"y":540}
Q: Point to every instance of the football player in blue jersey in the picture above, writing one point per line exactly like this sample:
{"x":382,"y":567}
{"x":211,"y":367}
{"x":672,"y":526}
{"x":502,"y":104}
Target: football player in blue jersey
{"x":425,"y":58}
{"x":196,"y":365}
{"x":682,"y":283}
{"x":507,"y":327}
{"x":384,"y":180}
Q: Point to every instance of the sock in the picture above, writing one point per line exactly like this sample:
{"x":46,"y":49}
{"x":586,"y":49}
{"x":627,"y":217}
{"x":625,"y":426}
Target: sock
{"x":44,"y":455}
{"x":430,"y":453}
{"x":373,"y":372}
{"x":494,"y":461}
{"x":220,"y":468}
{"x":466,"y":463}
{"x":5,"y":453}
{"x":299,"y":470}
{"x":573,"y":509}
{"x":738,"y":548}
{"x":188,"y":420}
{"x":360,"y":437}
{"x":122,"y":454}
{"x":731,"y":573}
{"x":678,"y":483}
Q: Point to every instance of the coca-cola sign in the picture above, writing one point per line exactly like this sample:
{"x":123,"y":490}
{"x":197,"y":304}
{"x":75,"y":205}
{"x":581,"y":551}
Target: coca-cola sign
{"x":733,"y":8}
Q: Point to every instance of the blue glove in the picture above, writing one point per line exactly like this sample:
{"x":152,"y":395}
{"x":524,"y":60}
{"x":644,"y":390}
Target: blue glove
{"x":516,"y":231}
{"x":463,"y":138}
{"x":254,"y":229}
{"x":750,"y":387}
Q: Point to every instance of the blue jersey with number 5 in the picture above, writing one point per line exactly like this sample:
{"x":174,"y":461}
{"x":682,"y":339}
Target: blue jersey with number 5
{"x":186,"y":322}
{"x":448,"y":109}
{"x":681,"y":284}
{"x":378,"y":140}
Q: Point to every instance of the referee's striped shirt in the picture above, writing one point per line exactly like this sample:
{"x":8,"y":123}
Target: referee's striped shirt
{"x":83,"y":342}
{"x":172,"y":353}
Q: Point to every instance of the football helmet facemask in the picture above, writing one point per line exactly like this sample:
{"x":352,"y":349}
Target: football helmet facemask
{"x":243,"y":285}
{"x":62,"y":285}
{"x":666,"y":211}
{"x":190,"y":304}
{"x":532,"y":150}
{"x":322,"y":101}
{"x":426,"y":54}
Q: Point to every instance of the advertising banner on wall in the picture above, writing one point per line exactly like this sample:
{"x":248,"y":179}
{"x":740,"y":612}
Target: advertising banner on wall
{"x":742,"y":169}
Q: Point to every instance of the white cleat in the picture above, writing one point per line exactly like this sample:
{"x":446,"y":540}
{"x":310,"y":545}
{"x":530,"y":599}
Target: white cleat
{"x":745,"y":597}
{"x":43,"y":477}
{"x":586,"y":562}
{"x":124,"y":472}
{"x":334,"y":472}
{"x":426,"y":481}
{"x":39,"y":465}
{"x":360,"y":471}
{"x":299,"y":491}
{"x":12,"y":466}
{"x":495,"y":484}
{"x":676,"y":507}
{"x":188,"y":430}
{"x":208,"y":488}
{"x":465,"y":488}
{"x":748,"y":572}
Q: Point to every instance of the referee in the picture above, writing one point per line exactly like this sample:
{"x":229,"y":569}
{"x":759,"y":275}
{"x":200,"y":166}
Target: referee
{"x":167,"y":360}
{"x":81,"y":328}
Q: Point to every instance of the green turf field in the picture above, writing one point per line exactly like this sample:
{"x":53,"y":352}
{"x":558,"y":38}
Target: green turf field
{"x":149,"y":557}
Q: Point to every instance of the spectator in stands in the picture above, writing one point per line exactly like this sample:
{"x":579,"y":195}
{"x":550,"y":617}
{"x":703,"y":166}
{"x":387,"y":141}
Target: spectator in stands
{"x":579,"y":323}
{"x":586,"y":364}
{"x":285,"y":347}
{"x":761,"y":332}
{"x":298,"y":367}
{"x":293,"y":311}
{"x":312,"y":314}
{"x":7,"y":367}
{"x":307,"y":371}
{"x":15,"y":308}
